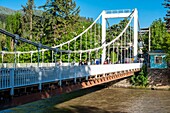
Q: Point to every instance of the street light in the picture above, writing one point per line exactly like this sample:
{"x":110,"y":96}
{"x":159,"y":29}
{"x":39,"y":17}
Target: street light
{"x":144,"y":30}
{"x":39,"y":47}
{"x":15,"y":43}
{"x":39,"y":54}
{"x":56,"y":50}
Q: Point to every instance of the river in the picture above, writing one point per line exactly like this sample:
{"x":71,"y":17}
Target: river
{"x":101,"y":100}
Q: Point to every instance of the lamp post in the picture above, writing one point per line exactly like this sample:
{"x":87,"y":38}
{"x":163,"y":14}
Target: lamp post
{"x":15,"y":43}
{"x":56,"y":50}
{"x":144,"y":30}
{"x":149,"y":38}
{"x":2,"y":56}
{"x":39,"y":47}
{"x":39,"y":54}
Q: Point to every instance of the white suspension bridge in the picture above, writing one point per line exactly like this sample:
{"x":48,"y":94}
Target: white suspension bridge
{"x":95,"y":72}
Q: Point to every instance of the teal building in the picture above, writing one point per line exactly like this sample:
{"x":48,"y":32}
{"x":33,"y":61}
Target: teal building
{"x":157,"y":59}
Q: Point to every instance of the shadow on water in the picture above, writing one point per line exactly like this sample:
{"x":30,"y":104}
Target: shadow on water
{"x":43,"y":104}
{"x":79,"y":109}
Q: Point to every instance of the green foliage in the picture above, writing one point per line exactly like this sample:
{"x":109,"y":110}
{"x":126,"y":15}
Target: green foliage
{"x":59,"y":19}
{"x":168,"y":46}
{"x":13,"y":25}
{"x":140,"y":78}
{"x":160,"y":38}
{"x":113,"y":57}
{"x":167,"y":19}
{"x":114,"y":30}
{"x":27,"y":19}
{"x":158,"y":34}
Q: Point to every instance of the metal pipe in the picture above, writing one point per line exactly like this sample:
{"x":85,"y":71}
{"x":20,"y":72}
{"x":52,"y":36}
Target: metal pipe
{"x":15,"y":60}
{"x":38,"y":56}
{"x":149,"y":39}
{"x":24,"y":40}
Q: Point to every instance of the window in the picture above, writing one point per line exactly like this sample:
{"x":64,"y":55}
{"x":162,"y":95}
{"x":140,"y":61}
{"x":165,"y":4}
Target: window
{"x":158,"y":59}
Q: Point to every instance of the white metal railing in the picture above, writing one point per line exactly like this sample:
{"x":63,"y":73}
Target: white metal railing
{"x":10,"y":77}
{"x":118,"y":11}
{"x":25,"y":65}
{"x":4,"y":78}
{"x":19,"y":65}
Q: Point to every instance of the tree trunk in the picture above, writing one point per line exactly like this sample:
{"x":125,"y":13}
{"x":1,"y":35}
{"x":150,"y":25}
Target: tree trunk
{"x":31,"y":25}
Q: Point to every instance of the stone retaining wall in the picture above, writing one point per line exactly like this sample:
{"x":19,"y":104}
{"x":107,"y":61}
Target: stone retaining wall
{"x":159,"y":77}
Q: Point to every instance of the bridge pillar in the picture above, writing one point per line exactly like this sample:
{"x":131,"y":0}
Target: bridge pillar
{"x":12,"y":81}
{"x":31,"y":56}
{"x":135,"y":34}
{"x":60,"y":77}
{"x":2,"y":58}
{"x":40,"y":79}
{"x":103,"y":36}
{"x":75,"y":75}
{"x":18,"y":56}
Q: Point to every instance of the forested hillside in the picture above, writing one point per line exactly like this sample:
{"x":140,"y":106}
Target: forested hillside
{"x":49,"y":26}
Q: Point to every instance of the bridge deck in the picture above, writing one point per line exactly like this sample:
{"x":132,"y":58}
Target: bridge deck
{"x":11,"y":78}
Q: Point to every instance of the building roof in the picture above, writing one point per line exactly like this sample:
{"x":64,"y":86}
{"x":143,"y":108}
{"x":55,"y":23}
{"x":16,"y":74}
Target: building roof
{"x":160,"y":52}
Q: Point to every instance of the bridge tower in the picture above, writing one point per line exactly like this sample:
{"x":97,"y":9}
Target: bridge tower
{"x":120,"y":14}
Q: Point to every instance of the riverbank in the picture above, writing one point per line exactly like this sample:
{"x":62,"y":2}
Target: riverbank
{"x":141,"y":87}
{"x":125,"y":83}
{"x":158,"y":79}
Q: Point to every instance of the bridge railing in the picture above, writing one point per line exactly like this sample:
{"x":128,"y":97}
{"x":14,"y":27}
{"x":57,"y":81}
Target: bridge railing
{"x":118,"y":11}
{"x":20,"y":65}
{"x":10,"y":77}
{"x":5,"y":78}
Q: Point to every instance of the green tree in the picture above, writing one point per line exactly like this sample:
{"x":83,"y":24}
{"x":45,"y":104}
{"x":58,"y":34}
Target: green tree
{"x":160,"y":38}
{"x":60,"y":18}
{"x":28,"y":17}
{"x":166,"y":4}
{"x":13,"y":25}
{"x":158,"y":35}
{"x":140,"y":78}
{"x":166,"y":46}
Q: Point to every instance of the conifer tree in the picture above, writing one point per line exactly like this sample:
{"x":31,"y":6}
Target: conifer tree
{"x":28,"y":17}
{"x":60,"y":17}
{"x":166,"y":4}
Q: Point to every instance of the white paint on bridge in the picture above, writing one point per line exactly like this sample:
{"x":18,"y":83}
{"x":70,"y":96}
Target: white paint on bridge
{"x":11,"y":78}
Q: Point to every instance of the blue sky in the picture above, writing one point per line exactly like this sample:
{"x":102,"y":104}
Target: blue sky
{"x":149,"y":10}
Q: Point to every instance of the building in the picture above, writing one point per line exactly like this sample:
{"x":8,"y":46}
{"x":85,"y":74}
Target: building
{"x":157,"y":59}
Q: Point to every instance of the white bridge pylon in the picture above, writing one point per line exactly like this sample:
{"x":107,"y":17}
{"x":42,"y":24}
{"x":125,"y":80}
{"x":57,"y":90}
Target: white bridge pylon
{"x":118,"y":14}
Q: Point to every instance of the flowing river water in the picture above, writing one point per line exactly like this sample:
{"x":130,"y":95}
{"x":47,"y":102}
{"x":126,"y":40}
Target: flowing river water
{"x":101,"y":100}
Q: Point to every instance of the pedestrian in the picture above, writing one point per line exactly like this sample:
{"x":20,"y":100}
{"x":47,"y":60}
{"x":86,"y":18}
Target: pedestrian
{"x":80,"y":63}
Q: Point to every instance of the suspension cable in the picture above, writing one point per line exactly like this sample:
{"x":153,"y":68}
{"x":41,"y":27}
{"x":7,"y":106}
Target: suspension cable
{"x":121,"y":48}
{"x":52,"y":52}
{"x":117,"y":53}
{"x":113,"y":54}
{"x":60,"y":54}
{"x":130,"y":45}
{"x":68,"y":53}
{"x":86,"y":45}
{"x":125,"y":46}
{"x":74,"y":50}
{"x":99,"y":33}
